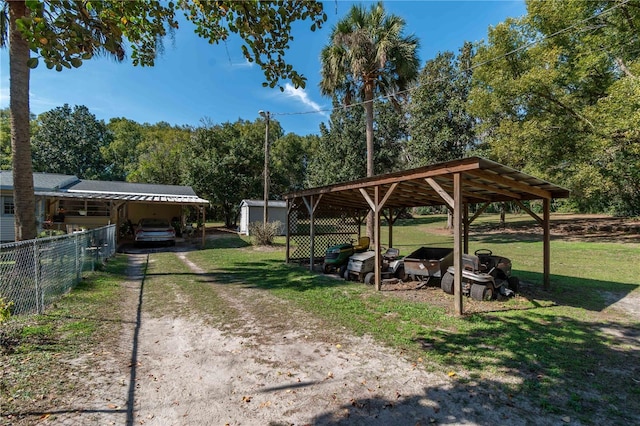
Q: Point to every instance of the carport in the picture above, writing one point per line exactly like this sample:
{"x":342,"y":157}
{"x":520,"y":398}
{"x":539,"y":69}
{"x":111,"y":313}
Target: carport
{"x":115,"y":201}
{"x":454,"y":184}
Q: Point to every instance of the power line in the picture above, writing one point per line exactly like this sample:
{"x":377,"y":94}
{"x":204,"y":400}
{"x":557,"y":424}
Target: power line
{"x":473,"y":67}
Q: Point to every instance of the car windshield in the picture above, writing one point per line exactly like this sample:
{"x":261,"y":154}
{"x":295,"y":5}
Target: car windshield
{"x":154,"y":222}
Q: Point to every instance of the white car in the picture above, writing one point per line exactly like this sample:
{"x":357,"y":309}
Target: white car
{"x":155,"y":230}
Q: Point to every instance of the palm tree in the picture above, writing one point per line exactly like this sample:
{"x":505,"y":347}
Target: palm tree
{"x":24,"y":199}
{"x":369,"y":55}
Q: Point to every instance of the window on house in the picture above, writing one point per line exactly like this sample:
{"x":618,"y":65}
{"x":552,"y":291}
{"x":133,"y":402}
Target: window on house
{"x":8,"y":207}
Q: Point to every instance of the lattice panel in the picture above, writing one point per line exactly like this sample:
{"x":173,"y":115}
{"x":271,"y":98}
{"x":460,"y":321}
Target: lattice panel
{"x":328,"y":231}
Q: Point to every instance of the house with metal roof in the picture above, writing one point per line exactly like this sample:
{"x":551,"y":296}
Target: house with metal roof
{"x":68,"y":203}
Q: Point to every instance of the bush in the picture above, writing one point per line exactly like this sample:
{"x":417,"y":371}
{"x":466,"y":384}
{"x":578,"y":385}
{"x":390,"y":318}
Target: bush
{"x":5,"y":309}
{"x":51,"y":233}
{"x":262,"y":235}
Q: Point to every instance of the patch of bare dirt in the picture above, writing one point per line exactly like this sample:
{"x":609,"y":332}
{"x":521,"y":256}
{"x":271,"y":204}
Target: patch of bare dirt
{"x":574,"y":227}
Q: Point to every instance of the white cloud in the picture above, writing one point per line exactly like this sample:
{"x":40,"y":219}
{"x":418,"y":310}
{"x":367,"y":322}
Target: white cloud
{"x":302,"y":96}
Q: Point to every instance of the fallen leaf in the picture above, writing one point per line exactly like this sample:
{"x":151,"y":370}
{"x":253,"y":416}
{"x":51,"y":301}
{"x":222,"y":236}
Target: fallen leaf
{"x":566,"y":419}
{"x":45,"y":416}
{"x":451,"y":373}
{"x":338,"y":346}
{"x":112,"y":406}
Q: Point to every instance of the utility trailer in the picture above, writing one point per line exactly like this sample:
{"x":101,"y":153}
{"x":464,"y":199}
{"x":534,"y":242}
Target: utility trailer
{"x":427,"y":262}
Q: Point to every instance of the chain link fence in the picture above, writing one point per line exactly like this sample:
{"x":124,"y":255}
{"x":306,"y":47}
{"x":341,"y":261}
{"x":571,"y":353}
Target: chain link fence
{"x":34,"y":273}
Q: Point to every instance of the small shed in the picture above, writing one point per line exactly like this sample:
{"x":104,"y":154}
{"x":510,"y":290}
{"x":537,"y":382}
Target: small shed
{"x":253,"y":211}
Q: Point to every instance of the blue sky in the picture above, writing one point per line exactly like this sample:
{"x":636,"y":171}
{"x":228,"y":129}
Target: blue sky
{"x":193,"y":79}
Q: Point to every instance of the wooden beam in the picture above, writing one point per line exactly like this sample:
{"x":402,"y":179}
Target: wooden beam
{"x":443,"y":194}
{"x":457,"y":243}
{"x":494,"y":177}
{"x":376,"y":237}
{"x":311,"y":208}
{"x":387,"y":195}
{"x":532,"y":214}
{"x":288,"y":240}
{"x":479,"y":212}
{"x":365,"y":194}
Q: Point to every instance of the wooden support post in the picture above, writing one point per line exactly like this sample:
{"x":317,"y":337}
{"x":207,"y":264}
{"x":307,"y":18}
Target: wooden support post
{"x":312,"y":234}
{"x":288,"y":240}
{"x":376,"y":233}
{"x":546,"y":206}
{"x":457,"y":243}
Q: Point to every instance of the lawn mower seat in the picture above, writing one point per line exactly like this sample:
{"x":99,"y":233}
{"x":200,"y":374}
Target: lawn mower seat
{"x":363,"y":244}
{"x":470,"y":263}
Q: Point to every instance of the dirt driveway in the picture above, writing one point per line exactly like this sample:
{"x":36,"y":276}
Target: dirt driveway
{"x":287,"y":368}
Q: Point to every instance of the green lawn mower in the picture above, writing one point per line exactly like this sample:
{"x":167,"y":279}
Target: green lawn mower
{"x":336,"y":257}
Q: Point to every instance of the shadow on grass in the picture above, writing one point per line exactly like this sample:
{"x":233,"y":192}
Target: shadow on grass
{"x":589,"y":294}
{"x":267,"y":275}
{"x":417,"y":221}
{"x":568,"y":365}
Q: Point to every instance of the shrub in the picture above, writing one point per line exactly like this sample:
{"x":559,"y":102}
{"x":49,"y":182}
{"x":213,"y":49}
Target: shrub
{"x":5,"y":309}
{"x":51,"y":233}
{"x":262,"y":235}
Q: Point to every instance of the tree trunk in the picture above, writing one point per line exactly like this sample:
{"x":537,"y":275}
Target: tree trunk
{"x":23,"y":193}
{"x":368,"y":109}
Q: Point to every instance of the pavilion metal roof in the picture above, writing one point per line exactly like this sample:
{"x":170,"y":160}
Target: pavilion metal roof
{"x":483,"y":181}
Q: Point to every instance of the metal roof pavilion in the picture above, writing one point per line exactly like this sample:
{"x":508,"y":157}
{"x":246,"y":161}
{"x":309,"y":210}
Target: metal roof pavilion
{"x":455,"y":184}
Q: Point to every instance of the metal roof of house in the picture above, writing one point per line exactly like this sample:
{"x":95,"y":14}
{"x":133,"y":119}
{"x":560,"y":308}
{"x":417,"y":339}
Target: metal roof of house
{"x":128,"y":188}
{"x":65,"y":186}
{"x":41,"y":181}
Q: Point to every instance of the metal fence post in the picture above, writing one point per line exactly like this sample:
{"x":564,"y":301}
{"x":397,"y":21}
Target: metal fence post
{"x":36,"y":281}
{"x":77,"y":257}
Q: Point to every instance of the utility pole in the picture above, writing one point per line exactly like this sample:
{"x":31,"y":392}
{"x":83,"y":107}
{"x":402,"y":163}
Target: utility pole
{"x":266,"y":116}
